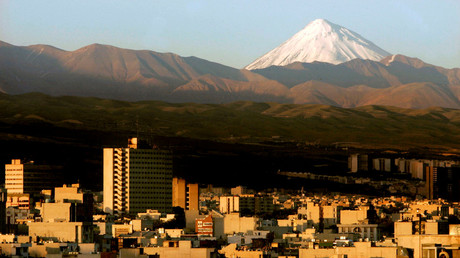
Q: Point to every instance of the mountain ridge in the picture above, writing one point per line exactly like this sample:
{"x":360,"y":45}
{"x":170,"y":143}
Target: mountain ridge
{"x":110,"y":72}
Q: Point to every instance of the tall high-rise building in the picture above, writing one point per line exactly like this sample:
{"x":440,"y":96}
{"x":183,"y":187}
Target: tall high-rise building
{"x":29,"y":178}
{"x":137,"y":179}
{"x":443,"y":182}
{"x":185,"y":195}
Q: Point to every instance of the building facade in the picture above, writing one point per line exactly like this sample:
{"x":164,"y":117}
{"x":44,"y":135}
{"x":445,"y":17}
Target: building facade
{"x":185,"y":195}
{"x":29,"y":178}
{"x":443,"y":182}
{"x":136,"y":180}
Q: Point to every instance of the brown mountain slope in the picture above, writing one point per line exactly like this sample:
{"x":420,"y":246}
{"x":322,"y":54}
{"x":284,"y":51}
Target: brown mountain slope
{"x":105,"y":71}
{"x":411,"y":69}
{"x":208,"y":89}
{"x":412,"y":95}
{"x":313,"y":92}
{"x":391,"y":71}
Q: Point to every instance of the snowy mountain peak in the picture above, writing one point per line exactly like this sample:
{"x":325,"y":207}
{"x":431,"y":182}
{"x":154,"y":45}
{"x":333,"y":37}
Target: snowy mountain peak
{"x":322,"y":41}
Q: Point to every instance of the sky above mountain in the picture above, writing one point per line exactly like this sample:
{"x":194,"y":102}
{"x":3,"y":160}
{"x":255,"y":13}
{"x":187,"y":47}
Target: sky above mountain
{"x":233,"y":33}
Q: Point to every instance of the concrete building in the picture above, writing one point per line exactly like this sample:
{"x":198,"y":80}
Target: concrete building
{"x":256,"y":204}
{"x":70,"y":193}
{"x":382,"y":164}
{"x":80,"y":232}
{"x":177,"y":249}
{"x":316,"y":213}
{"x":229,"y":204}
{"x":71,"y":205}
{"x":443,"y":182}
{"x":29,"y":178}
{"x":238,"y":190}
{"x":360,"y":222}
{"x":361,"y":249}
{"x":185,"y":195}
{"x":233,"y":223}
{"x":369,"y":231}
{"x":137,"y":179}
{"x":204,"y":226}
{"x":20,"y":201}
{"x":359,"y":162}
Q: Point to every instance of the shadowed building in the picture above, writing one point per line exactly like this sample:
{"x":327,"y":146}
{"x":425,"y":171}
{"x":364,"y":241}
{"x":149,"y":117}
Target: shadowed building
{"x":443,"y":182}
{"x":136,"y":180}
{"x":185,"y":195}
{"x":28,"y":178}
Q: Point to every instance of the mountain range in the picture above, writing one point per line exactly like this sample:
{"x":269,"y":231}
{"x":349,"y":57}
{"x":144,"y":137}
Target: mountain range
{"x":109,"y":72}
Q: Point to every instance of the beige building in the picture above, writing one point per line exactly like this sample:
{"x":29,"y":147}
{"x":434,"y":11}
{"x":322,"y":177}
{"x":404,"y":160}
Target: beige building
{"x":361,"y":249}
{"x":29,"y":178}
{"x":231,"y":250}
{"x":80,"y":232}
{"x":229,"y":204}
{"x":246,"y":203}
{"x":185,"y":195}
{"x":71,"y":205}
{"x":20,"y":201}
{"x":56,"y":212}
{"x":178,"y":249}
{"x":357,"y":222}
{"x":422,"y":243}
{"x":315,"y":213}
{"x":353,"y":216}
{"x":137,"y":179}
{"x":369,"y":231}
{"x":233,"y":223}
{"x":70,"y":193}
{"x":425,"y":237}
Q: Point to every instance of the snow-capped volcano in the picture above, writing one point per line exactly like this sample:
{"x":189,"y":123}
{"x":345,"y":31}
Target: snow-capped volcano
{"x":321,"y":41}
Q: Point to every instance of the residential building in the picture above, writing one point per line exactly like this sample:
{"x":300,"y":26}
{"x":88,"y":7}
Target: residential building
{"x":29,"y":178}
{"x":137,"y":179}
{"x":185,"y":195}
{"x":80,"y":232}
{"x":229,"y":204}
{"x":204,"y":226}
{"x":177,"y":249}
{"x":443,"y":182}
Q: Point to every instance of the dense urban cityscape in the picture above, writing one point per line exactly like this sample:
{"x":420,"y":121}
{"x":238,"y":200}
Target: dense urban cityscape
{"x":144,"y":211}
{"x":230,"y":129}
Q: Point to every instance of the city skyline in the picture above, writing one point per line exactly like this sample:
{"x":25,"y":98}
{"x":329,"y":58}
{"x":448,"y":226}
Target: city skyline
{"x":235,"y":33}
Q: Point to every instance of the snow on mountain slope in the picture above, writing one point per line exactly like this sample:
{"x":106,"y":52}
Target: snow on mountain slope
{"x":321,"y":41}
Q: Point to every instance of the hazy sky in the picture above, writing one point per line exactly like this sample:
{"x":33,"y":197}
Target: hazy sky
{"x":232,"y":32}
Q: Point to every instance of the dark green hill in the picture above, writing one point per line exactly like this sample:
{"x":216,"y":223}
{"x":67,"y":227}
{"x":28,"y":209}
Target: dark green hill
{"x":242,"y":122}
{"x":245,"y":141}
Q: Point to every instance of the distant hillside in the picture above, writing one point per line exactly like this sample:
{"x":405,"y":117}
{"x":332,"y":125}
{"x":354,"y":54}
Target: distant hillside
{"x":133,"y":75}
{"x":242,"y":122}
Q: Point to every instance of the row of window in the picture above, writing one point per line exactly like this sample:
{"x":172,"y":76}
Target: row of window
{"x":149,"y":177}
